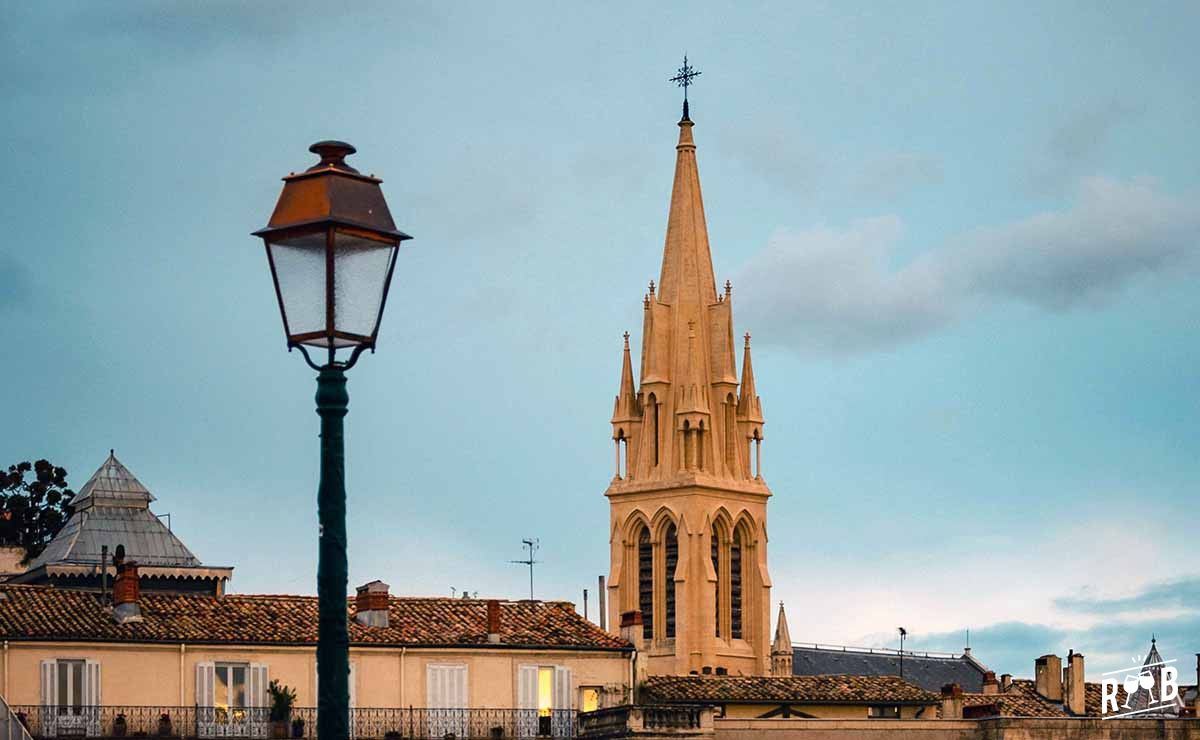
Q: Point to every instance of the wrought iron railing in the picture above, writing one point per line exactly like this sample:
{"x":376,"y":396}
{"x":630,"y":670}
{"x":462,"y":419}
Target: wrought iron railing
{"x":43,"y":722}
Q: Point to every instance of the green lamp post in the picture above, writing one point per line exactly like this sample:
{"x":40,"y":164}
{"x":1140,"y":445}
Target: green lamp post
{"x":331,"y":245}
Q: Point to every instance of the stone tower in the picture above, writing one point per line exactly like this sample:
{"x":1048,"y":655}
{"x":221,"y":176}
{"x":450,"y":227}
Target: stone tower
{"x":688,"y":503}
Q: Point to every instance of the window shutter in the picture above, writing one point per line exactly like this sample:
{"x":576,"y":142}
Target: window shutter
{"x":205,"y":675}
{"x":257,"y":688}
{"x":353,"y":688}
{"x":527,"y":686}
{"x":49,"y":683}
{"x":91,"y":684}
{"x":446,"y":687}
{"x":562,"y":687}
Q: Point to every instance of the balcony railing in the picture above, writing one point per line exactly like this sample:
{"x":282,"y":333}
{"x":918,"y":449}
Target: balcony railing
{"x":643,"y":719}
{"x":44,"y":722}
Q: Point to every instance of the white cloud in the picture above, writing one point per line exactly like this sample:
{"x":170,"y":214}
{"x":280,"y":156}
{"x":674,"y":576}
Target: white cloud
{"x":838,"y":291}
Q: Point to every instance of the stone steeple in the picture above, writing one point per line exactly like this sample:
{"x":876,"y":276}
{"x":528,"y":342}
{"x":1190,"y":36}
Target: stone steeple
{"x":688,"y":504}
{"x":781,"y":648}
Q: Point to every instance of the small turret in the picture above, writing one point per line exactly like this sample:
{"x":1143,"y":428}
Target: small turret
{"x":781,"y":649}
{"x":627,"y":414}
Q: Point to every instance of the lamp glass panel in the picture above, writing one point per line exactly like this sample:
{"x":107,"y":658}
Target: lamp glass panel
{"x":300,"y":270}
{"x":360,"y":276}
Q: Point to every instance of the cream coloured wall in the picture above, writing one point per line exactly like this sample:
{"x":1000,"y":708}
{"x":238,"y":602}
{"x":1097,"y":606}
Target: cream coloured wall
{"x":165,"y":675}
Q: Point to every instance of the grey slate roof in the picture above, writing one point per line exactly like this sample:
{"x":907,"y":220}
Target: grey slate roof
{"x":929,"y":671}
{"x":113,"y":508}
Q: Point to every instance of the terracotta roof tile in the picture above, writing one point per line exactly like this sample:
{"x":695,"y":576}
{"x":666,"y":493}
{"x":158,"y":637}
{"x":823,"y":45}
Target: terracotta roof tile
{"x":48,"y":613}
{"x":785,"y":689}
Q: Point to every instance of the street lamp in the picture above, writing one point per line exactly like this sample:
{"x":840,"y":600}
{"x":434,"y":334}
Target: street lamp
{"x":331,"y":244}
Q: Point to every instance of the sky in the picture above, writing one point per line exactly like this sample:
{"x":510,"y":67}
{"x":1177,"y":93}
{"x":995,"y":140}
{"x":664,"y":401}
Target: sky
{"x":965,"y":236}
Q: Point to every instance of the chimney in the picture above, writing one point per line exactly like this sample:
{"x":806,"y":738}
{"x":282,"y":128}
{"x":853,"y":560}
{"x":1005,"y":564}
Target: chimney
{"x":493,"y":621}
{"x":1047,"y":677}
{"x":1005,"y":682}
{"x":952,"y":701}
{"x":990,"y":686}
{"x":371,"y":604}
{"x":126,"y":590}
{"x":1074,"y":687}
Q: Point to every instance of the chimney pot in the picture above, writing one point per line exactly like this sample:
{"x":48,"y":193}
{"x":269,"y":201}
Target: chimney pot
{"x":629,"y":619}
{"x":1005,"y":681}
{"x":952,"y":701}
{"x":1047,"y":676}
{"x":990,"y":685}
{"x":493,"y":621}
{"x":1074,"y":688}
{"x":372,"y":604}
{"x":126,"y":592}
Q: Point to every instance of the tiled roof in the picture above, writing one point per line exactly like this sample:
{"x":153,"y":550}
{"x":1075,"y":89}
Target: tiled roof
{"x":48,"y":613}
{"x":1021,"y":700}
{"x":785,"y":689}
{"x":929,"y":672}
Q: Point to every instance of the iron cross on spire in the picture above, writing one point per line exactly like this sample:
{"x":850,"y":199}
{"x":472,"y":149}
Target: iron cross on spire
{"x":684,"y":78}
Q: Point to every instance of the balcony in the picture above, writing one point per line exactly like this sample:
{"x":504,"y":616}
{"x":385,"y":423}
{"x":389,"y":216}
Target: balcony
{"x":203,"y":723}
{"x":646,"y":720}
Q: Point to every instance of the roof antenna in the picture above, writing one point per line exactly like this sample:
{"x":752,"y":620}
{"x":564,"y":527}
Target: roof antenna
{"x":532,"y":545}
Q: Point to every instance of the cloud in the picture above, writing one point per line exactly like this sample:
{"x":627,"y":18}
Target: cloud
{"x":837,"y":291}
{"x":1180,"y":594}
{"x":892,"y":176}
{"x":1078,"y":142}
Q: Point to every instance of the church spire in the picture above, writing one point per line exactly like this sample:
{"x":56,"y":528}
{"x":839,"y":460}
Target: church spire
{"x":781,"y":648}
{"x":687,"y":271}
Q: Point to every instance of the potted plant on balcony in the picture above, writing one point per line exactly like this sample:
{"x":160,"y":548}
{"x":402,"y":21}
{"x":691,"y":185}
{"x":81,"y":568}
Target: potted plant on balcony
{"x":298,"y":728}
{"x":120,"y":726}
{"x":164,"y":725}
{"x":283,"y":699}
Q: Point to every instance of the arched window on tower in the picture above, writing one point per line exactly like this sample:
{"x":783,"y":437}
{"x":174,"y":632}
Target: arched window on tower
{"x":715,"y":538}
{"x":646,"y":582}
{"x":735,"y":585}
{"x":730,"y":434}
{"x":652,"y":417}
{"x":670,"y":560}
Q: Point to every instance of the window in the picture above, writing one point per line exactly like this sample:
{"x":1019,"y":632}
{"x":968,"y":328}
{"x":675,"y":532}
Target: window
{"x":646,"y":582}
{"x":70,"y":697}
{"x":446,"y":699}
{"x":229,"y":692}
{"x":589,"y":698}
{"x":671,"y":559}
{"x":544,"y":696}
{"x":716,"y":564}
{"x":735,"y":586}
{"x":70,"y":687}
{"x":231,"y":699}
{"x":889,"y":711}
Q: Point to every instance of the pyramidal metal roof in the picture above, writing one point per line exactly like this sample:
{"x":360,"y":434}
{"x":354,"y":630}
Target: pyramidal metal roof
{"x":112,"y":485}
{"x":113,"y":508}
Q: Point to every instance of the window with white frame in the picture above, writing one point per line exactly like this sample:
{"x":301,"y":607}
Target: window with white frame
{"x":544,"y":697}
{"x":231,"y":699}
{"x":70,"y":696}
{"x":446,"y":699}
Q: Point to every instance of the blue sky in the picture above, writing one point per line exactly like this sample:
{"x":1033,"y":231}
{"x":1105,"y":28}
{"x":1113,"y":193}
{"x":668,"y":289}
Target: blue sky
{"x":964,"y":236}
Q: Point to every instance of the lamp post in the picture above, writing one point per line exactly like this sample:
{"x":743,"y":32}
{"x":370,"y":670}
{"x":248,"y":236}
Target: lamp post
{"x":331,"y":245}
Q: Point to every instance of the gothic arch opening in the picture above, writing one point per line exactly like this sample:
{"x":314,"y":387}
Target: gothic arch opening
{"x":645,"y":581}
{"x":670,"y":562}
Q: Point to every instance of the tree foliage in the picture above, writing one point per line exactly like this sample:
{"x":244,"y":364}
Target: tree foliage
{"x":33,"y":509}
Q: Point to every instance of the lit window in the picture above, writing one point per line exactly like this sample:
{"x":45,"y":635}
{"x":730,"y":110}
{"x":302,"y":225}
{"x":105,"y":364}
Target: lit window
{"x":545,"y":697}
{"x":229,"y":694}
{"x":589,"y":698}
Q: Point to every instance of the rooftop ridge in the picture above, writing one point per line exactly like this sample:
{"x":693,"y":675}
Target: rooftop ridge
{"x":877,"y":651}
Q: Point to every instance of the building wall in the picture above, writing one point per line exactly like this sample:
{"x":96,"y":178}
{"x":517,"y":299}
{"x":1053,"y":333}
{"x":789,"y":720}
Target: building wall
{"x":165,"y":675}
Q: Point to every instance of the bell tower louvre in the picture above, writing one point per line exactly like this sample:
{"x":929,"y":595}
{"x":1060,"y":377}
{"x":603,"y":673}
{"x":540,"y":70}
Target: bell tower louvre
{"x":688,"y":504}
